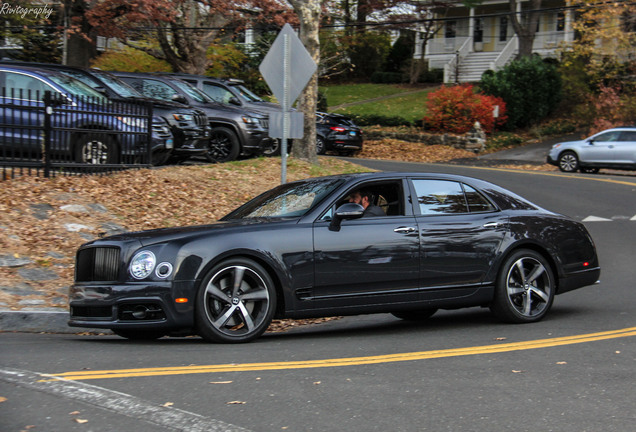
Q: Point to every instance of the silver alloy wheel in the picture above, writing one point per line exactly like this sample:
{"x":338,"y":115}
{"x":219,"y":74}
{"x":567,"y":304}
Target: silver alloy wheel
{"x":529,"y":287}
{"x":321,"y":147}
{"x":95,"y":152}
{"x":237,"y":301}
{"x":568,"y":162}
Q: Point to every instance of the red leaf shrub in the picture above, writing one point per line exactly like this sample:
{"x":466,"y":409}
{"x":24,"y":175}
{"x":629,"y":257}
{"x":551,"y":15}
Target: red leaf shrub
{"x":456,"y":109}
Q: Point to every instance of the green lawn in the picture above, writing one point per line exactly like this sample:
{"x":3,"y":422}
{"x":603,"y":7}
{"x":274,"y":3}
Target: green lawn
{"x":411,"y":107}
{"x":348,"y":93}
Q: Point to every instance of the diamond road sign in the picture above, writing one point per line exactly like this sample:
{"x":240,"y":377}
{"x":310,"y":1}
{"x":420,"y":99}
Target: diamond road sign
{"x":287,"y":67}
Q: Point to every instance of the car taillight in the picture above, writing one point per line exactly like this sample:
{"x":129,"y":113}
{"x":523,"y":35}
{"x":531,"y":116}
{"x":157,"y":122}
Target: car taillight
{"x":337,"y":128}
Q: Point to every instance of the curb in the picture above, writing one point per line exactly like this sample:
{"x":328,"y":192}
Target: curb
{"x":40,"y":322}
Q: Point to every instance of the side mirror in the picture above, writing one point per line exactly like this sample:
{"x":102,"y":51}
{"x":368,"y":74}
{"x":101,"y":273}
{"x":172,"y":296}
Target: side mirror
{"x":591,"y":142}
{"x":234,"y":101}
{"x":102,"y":90}
{"x":179,"y":98}
{"x":345,"y":212}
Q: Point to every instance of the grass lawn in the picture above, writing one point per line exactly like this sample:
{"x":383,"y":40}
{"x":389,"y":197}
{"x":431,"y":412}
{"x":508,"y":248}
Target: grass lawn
{"x":411,"y":107}
{"x":348,"y":93}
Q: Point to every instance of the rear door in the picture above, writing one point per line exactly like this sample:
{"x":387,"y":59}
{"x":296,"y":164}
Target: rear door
{"x":626,"y":148}
{"x":461,"y":232}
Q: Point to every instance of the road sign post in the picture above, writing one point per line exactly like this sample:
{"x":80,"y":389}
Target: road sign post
{"x":287,"y":84}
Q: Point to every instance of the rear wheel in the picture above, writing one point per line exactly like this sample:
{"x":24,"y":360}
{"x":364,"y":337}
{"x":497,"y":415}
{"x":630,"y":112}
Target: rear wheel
{"x":96,"y":150}
{"x":568,"y":162}
{"x":224,"y":145}
{"x":321,"y":146}
{"x":525,"y":288}
{"x":273,"y":149}
{"x":236,"y":302}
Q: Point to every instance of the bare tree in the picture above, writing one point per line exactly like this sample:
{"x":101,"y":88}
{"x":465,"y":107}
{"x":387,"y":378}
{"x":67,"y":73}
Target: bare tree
{"x":525,"y":25}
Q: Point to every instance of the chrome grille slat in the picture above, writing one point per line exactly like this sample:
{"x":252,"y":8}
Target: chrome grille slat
{"x":97,"y":264}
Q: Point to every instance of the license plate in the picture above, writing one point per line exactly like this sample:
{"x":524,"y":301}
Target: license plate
{"x":352,"y":133}
{"x":169,"y":143}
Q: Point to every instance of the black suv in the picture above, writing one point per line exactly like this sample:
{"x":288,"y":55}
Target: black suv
{"x":234,"y":132}
{"x":189,"y":126}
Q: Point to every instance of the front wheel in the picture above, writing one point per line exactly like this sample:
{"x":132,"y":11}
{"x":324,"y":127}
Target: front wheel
{"x":525,"y":288}
{"x":236,"y":302}
{"x":97,"y":150}
{"x":224,"y":145}
{"x":568,"y":162}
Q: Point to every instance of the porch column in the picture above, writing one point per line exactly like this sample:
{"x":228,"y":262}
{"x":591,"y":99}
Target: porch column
{"x":568,"y":36}
{"x":471,"y":28}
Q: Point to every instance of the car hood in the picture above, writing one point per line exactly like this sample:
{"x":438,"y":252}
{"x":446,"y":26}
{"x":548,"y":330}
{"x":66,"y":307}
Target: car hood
{"x":162,"y":235}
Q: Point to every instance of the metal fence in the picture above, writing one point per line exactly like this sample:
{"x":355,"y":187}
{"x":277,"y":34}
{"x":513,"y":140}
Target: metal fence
{"x":50,"y":134}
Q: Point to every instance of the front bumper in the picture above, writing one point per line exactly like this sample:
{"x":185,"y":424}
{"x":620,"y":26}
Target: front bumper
{"x":133,"y":306}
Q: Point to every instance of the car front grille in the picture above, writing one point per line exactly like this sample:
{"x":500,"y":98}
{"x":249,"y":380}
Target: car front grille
{"x":264,"y":122}
{"x":97,"y":264}
{"x":91,"y":312}
{"x":200,"y":118}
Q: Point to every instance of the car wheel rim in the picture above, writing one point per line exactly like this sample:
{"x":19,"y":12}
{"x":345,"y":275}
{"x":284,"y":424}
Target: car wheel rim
{"x":320,"y":145}
{"x":529,"y":287}
{"x":236,"y":301}
{"x":220,"y":147}
{"x":568,"y":163}
{"x":95,"y":152}
{"x":272,"y":149}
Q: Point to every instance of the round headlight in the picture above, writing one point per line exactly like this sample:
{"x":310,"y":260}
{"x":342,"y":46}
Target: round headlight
{"x":142,"y":264}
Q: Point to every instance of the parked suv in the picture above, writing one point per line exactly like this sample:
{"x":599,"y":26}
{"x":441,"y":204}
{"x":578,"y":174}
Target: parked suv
{"x":338,"y":133}
{"x":87,"y":127}
{"x":234,"y":132}
{"x":613,"y":148}
{"x":189,"y":126}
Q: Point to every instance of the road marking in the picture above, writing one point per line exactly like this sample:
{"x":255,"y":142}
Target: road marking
{"x":121,"y":403}
{"x":596,"y":219}
{"x":351,"y":361}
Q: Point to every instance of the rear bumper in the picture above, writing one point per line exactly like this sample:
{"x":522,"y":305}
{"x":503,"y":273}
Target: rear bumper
{"x":577,"y":280}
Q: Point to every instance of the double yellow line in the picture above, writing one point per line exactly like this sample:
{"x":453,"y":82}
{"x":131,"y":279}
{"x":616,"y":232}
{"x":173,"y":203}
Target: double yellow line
{"x":350,"y":361}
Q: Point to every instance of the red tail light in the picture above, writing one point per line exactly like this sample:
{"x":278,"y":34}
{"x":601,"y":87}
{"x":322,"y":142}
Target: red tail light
{"x":337,"y":128}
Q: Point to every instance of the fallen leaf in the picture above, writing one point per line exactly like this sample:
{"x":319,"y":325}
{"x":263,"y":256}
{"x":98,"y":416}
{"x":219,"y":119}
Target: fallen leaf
{"x":316,"y":382}
{"x":500,"y":339}
{"x":236,"y":403}
{"x":168,"y":404}
{"x":3,"y":399}
{"x":80,"y":421}
{"x":562,"y":363}
{"x":517,"y":371}
{"x":74,"y":413}
{"x":221,"y":382}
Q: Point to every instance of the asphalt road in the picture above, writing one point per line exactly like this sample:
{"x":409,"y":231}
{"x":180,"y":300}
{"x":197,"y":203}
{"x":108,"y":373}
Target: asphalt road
{"x":460,"y":371}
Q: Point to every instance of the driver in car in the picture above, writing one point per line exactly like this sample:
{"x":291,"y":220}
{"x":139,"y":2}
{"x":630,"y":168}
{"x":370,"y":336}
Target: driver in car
{"x":364,"y":197}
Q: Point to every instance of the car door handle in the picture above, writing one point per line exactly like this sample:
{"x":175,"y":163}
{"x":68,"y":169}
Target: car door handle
{"x":404,"y":230}
{"x":492,"y":224}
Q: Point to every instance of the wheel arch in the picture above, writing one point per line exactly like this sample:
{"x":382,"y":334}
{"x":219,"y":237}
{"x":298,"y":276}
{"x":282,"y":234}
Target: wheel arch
{"x":535,"y":247}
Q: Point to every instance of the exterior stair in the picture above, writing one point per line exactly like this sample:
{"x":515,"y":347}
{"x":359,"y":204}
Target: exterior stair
{"x":474,"y":65}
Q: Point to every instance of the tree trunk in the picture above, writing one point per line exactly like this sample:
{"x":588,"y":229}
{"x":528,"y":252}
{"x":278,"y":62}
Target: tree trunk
{"x":525,"y":25}
{"x":308,"y":12}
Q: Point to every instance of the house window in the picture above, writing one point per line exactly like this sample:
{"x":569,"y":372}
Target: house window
{"x":450,"y":29}
{"x":478,"y":35}
{"x":560,"y":23}
{"x":503,"y":29}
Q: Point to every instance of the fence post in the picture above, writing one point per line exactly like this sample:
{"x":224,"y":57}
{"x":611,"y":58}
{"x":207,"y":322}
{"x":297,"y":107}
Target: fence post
{"x":48,"y":112}
{"x":148,"y":106}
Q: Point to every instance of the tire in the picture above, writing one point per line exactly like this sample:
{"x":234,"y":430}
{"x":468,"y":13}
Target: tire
{"x":525,"y":288}
{"x":321,"y":146}
{"x":160,"y":158}
{"x":568,"y":162}
{"x":418,"y":315}
{"x":235,"y":303}
{"x":95,"y":150}
{"x":139,"y":334}
{"x":224,"y":145}
{"x":273,"y":149}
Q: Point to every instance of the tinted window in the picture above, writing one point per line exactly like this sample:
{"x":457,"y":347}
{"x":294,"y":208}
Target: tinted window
{"x":440,"y":196}
{"x":151,"y":88}
{"x":217,"y":93}
{"x":476,"y":202}
{"x":607,"y":136}
{"x":628,"y":136}
{"x":22,"y":86}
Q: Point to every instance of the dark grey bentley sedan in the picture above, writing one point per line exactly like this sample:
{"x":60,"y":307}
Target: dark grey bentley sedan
{"x":408,"y":244}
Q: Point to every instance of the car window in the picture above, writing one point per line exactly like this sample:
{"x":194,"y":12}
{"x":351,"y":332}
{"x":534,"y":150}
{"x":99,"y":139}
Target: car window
{"x":217,"y":93}
{"x":387,"y":195}
{"x":152,"y":88}
{"x":23,"y":86}
{"x":191,"y":91}
{"x":628,"y":136}
{"x":607,"y":136}
{"x":440,"y":196}
{"x":476,"y":201}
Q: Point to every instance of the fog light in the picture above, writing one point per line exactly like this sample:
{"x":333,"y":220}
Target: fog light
{"x":163,"y":270}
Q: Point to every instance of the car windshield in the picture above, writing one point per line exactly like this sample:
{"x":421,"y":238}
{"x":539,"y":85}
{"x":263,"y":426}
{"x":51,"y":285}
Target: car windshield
{"x":246,"y":94}
{"x":287,"y":200}
{"x":77,"y":88}
{"x":192,"y":92}
{"x":118,"y":86}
